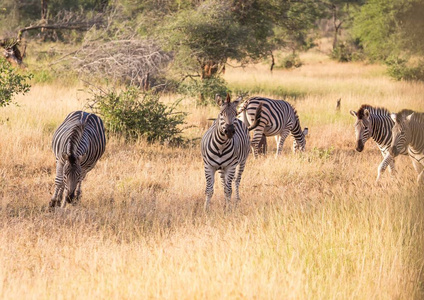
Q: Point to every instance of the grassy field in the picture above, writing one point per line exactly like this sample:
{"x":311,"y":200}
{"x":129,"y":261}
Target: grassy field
{"x":310,"y":226}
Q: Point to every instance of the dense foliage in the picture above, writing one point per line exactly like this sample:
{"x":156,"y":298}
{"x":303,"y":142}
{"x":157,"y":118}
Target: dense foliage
{"x":135,"y":114}
{"x":199,"y":37}
{"x":11,"y":83}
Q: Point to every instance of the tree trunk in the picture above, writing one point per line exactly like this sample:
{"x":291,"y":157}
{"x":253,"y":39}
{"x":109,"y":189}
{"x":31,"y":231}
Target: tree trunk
{"x":44,"y":4}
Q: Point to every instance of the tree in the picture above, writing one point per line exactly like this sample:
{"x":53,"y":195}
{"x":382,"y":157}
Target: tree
{"x":341,"y":13}
{"x":390,"y":28}
{"x":11,"y":83}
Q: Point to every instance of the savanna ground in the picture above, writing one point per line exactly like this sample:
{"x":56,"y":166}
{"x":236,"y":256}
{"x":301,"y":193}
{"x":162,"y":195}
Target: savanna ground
{"x":310,"y":226}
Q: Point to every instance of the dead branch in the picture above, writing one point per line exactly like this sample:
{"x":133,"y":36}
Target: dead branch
{"x":126,"y":59}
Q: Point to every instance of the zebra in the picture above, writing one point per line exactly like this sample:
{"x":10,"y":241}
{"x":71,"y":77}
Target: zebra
{"x":408,"y":136}
{"x":278,"y":119}
{"x":78,"y":143}
{"x":225,"y":147}
{"x":376,"y":123}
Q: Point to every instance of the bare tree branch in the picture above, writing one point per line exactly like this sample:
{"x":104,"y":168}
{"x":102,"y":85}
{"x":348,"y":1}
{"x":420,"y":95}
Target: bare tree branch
{"x":126,"y":59}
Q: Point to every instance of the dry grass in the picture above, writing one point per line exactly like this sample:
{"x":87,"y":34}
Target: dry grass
{"x":310,"y":226}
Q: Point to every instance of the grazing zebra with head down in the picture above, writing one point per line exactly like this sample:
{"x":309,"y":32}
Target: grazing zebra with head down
{"x":225,"y":147}
{"x":376,"y":123}
{"x":408,"y":135}
{"x":278,"y":118}
{"x":78,"y":143}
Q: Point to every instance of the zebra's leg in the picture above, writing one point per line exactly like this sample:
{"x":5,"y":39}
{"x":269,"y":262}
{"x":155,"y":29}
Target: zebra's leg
{"x":281,"y":140}
{"x":240,"y":170}
{"x":228,"y":188}
{"x":256,"y":140}
{"x":78,"y":193}
{"x":58,"y":192}
{"x":210,"y":180}
{"x":388,"y":161}
{"x":420,"y":170}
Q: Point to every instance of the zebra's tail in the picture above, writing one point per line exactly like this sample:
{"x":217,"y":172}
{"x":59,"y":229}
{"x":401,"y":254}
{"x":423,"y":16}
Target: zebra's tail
{"x":243,"y":106}
{"x":257,"y":118}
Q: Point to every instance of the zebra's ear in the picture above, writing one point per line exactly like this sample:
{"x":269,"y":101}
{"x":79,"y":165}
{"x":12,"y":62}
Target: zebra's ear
{"x":65,"y":156}
{"x":237,"y":101}
{"x":353,"y":113}
{"x":393,"y":116}
{"x":408,"y":118}
{"x":228,"y":99}
{"x":366,"y":113}
{"x":305,"y":131}
{"x":218,"y":99}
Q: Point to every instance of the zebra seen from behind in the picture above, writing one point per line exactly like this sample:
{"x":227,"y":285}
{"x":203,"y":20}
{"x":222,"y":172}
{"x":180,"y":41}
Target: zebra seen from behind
{"x":408,"y":136}
{"x":78,"y":143}
{"x":225,"y":147}
{"x":278,"y":118}
{"x":376,"y":123}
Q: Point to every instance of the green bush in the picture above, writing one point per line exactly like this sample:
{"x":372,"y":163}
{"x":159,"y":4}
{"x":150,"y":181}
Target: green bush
{"x":11,"y":83}
{"x":135,"y":114}
{"x":347,"y":51}
{"x":204,"y":90}
{"x":291,"y":61}
{"x":399,"y":69}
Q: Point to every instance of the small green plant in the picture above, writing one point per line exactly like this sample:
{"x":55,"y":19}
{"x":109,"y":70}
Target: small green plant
{"x":11,"y":83}
{"x":324,"y":153}
{"x":134,"y":114}
{"x":204,"y":90}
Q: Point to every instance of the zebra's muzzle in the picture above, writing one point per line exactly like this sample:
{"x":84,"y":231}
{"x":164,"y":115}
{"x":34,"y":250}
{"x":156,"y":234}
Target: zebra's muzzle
{"x":359,"y":146}
{"x":229,"y":131}
{"x":394,"y":151}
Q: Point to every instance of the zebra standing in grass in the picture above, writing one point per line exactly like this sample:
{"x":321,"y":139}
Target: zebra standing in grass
{"x":225,"y":147}
{"x":278,"y":119}
{"x":376,"y":123}
{"x":408,"y":136}
{"x":78,"y":143}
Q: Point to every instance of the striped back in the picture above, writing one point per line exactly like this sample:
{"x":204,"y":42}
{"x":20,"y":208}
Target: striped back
{"x":277,"y":116}
{"x":78,"y":143}
{"x":81,"y":135}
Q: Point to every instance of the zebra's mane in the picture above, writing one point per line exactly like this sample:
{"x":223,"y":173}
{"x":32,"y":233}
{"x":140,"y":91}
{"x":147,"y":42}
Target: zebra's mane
{"x":416,"y":117}
{"x":381,"y":111}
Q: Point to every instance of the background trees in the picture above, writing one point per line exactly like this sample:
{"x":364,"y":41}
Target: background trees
{"x":196,"y":38}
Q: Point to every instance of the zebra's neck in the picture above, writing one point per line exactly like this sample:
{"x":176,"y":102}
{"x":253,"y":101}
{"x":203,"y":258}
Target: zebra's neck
{"x":417,"y":137}
{"x":297,"y":132}
{"x":220,"y":138}
{"x":381,"y":129}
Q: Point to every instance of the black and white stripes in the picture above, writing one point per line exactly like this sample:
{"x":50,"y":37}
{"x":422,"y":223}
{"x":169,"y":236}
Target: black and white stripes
{"x":376,"y":123}
{"x":278,"y":119}
{"x":408,"y":136}
{"x":78,"y":143}
{"x":225,"y":147}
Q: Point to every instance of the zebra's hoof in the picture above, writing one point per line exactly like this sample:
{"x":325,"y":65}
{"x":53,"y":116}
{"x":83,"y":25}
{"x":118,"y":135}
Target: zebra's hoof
{"x":53,"y":203}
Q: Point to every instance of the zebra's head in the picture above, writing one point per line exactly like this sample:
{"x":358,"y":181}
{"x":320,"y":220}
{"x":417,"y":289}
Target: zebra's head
{"x":227,"y":115}
{"x":401,"y":133}
{"x":363,"y":127}
{"x":72,"y":174}
{"x":300,"y":145}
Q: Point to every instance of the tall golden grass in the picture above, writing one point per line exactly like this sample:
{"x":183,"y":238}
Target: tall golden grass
{"x":310,"y":226}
